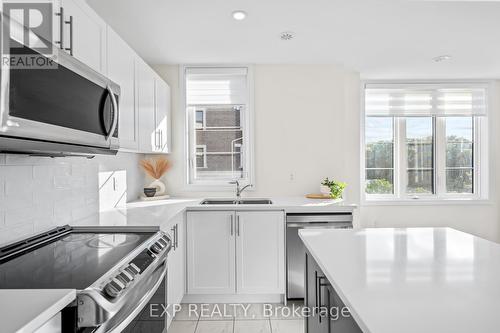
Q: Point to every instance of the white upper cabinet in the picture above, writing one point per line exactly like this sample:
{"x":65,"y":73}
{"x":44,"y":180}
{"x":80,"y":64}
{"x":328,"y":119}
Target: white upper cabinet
{"x":210,"y":253}
{"x":260,"y":257}
{"x":144,"y":119}
{"x":121,"y":70}
{"x":146,"y":106}
{"x":84,"y":34}
{"x":162,"y":115}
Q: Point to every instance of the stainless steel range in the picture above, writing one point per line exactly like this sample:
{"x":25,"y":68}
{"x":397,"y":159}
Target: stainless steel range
{"x":117,"y":272}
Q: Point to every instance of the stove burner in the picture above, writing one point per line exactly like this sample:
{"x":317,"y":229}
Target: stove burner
{"x":112,"y":240}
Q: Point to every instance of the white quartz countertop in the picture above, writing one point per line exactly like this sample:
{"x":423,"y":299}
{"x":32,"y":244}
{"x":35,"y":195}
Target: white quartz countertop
{"x":412,"y":280}
{"x":159,"y":213}
{"x":25,"y":311}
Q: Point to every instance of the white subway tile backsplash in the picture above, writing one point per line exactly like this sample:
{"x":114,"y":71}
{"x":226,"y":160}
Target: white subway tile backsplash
{"x":14,"y":233}
{"x":19,"y":216}
{"x":39,"y":193}
{"x":15,"y":201}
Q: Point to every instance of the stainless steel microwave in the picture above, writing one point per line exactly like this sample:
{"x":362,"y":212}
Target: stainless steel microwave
{"x":59,"y":110}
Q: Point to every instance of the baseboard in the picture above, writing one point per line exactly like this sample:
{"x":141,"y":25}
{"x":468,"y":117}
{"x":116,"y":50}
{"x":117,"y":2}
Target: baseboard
{"x":263,"y":298}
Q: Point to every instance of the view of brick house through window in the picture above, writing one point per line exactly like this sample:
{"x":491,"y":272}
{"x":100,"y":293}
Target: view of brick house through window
{"x":219,"y":137}
{"x":217,"y":112}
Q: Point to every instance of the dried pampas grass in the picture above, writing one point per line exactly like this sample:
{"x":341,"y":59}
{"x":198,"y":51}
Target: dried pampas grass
{"x":156,"y":168}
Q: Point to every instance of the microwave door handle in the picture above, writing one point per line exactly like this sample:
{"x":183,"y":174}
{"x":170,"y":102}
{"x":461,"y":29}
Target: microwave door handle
{"x":115,"y":113}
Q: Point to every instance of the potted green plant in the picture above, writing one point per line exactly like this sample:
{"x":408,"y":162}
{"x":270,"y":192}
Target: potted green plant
{"x":336,"y":188}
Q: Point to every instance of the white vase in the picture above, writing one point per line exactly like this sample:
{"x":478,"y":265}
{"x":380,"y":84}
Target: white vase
{"x":160,"y":187}
{"x":325,"y":190}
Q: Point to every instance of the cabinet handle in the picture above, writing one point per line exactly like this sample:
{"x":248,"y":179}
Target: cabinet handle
{"x":315,"y":310}
{"x":232,"y":225}
{"x":176,"y":236}
{"x":319,"y":298}
{"x":238,"y":225}
{"x":61,"y":28}
{"x":173,"y":236}
{"x":70,"y":48}
{"x":157,"y":140}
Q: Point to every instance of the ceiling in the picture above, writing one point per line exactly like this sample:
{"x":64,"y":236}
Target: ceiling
{"x":380,"y":39}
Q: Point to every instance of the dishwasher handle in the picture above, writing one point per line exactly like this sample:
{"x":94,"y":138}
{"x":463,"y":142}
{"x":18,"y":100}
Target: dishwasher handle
{"x":319,"y":218}
{"x":324,"y":225}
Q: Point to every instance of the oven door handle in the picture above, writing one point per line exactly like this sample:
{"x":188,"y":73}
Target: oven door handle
{"x":115,"y":113}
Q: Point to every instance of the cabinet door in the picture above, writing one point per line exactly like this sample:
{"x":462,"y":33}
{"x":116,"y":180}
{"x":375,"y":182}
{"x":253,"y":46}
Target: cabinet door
{"x":176,"y":264}
{"x":162,"y":116}
{"x":260,"y":257}
{"x":316,"y":297}
{"x":86,"y":34}
{"x":210,"y":253}
{"x":121,"y":70}
{"x":145,"y":81}
{"x":342,"y":324}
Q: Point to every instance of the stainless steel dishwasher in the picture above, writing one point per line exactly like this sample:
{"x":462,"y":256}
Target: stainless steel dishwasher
{"x":295,"y":250}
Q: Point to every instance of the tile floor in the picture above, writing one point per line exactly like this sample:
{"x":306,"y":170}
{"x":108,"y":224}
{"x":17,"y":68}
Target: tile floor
{"x":220,"y":318}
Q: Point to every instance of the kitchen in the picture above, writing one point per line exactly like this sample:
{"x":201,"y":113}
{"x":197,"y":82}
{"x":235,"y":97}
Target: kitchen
{"x":228,"y":115}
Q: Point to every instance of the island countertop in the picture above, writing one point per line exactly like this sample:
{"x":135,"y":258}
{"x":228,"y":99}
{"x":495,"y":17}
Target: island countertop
{"x":412,"y":280}
{"x":25,"y":310}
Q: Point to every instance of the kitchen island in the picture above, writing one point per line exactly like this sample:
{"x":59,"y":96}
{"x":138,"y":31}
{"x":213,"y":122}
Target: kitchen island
{"x":410,"y":280}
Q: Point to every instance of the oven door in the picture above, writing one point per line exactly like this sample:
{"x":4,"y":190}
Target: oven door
{"x":66,"y":102}
{"x":141,"y":311}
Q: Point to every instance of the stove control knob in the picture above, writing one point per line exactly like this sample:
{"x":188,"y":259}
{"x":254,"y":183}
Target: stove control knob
{"x":127,"y":275}
{"x":114,"y":288}
{"x":125,"y":278}
{"x":133,"y":269}
{"x":161,"y":243}
{"x":155,"y":248}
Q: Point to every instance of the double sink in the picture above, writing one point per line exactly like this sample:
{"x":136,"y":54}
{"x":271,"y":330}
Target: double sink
{"x":236,"y":202}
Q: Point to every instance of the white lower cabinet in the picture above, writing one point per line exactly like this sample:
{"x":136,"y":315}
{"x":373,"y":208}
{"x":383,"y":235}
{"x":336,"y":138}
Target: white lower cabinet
{"x":260,"y":252}
{"x":210,"y":253}
{"x":235,"y":252}
{"x":176,"y":264}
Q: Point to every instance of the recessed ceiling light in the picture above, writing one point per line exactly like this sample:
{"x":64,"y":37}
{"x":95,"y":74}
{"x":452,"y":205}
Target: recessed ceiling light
{"x":239,"y":15}
{"x":287,"y":35}
{"x":442,"y":58}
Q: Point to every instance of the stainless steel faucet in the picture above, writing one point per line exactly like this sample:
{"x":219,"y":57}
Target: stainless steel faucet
{"x":240,"y":189}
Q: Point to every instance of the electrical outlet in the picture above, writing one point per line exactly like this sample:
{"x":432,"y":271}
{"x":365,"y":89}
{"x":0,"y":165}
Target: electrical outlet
{"x":292,"y":177}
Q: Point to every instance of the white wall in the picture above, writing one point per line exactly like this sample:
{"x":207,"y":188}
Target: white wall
{"x":307,"y":124}
{"x":39,"y":193}
{"x":301,"y":112}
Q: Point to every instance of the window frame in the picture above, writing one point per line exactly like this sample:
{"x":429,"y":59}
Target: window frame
{"x":247,"y":127}
{"x":480,"y":155}
{"x":204,"y":154}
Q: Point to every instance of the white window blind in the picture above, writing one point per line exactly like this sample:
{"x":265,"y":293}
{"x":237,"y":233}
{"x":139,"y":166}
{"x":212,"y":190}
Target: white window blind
{"x":216,"y":86}
{"x":425,"y":100}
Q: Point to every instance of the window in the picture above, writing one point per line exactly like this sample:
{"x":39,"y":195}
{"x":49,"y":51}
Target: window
{"x":425,"y":141}
{"x":218,"y":112}
{"x":199,"y":118}
{"x":201,"y":157}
